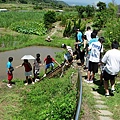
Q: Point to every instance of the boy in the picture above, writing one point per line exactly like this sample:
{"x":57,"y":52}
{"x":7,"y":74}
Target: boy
{"x":10,"y":71}
{"x":49,"y":62}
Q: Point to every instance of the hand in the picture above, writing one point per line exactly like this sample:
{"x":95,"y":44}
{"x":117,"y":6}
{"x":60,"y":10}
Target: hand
{"x":59,"y":65}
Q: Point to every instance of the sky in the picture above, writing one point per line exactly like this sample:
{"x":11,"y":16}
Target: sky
{"x":89,"y":2}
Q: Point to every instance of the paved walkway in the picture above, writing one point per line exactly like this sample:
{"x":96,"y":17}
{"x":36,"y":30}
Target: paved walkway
{"x":103,"y":113}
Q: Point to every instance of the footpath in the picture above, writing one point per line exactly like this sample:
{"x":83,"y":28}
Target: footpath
{"x":101,"y":108}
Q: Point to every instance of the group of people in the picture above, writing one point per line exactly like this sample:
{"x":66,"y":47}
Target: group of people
{"x":90,"y":47}
{"x":49,"y":62}
{"x":89,"y":51}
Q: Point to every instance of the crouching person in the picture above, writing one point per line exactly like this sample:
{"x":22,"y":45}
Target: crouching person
{"x":49,"y":63}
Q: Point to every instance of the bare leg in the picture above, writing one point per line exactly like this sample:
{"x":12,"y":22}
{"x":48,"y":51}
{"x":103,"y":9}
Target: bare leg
{"x":88,"y":75}
{"x":27,"y":79}
{"x":106,"y":84}
{"x":92,"y":76}
{"x":45,"y":70}
{"x":112,"y":84}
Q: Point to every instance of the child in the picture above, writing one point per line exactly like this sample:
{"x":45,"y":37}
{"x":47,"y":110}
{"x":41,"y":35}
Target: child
{"x":36,"y":67}
{"x":28,"y":70}
{"x":10,"y":71}
{"x":68,"y":56}
{"x":49,"y":62}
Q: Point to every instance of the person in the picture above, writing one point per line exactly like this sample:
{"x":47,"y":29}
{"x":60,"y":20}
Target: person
{"x":93,"y":39}
{"x":111,"y":59}
{"x":78,"y":43}
{"x":10,"y":70}
{"x":68,"y":56}
{"x":101,"y":65}
{"x":95,"y":48}
{"x":36,"y":67}
{"x":28,"y":70}
{"x":88,"y":33}
{"x":83,"y":49}
{"x":48,"y":39}
{"x":49,"y":63}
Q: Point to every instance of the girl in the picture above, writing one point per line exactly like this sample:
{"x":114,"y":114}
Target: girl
{"x":28,"y":70}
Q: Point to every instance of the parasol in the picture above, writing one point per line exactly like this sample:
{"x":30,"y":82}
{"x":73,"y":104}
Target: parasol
{"x":28,"y":57}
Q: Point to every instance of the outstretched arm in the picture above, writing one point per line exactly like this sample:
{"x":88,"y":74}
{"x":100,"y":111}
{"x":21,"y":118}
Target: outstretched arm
{"x":18,"y":66}
{"x":57,"y":63}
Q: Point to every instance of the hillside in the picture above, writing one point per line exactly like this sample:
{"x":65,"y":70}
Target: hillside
{"x":49,"y":2}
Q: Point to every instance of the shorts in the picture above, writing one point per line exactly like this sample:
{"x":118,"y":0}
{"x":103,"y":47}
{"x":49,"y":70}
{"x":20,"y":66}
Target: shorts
{"x":93,"y":67}
{"x":28,"y":73}
{"x":107,"y":76}
{"x":48,"y":65}
{"x":36,"y":72}
{"x":10,"y":76}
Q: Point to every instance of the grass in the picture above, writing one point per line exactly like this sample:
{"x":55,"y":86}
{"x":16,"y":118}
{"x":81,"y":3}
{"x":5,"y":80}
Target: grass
{"x":28,"y":101}
{"x":113,"y":101}
{"x":47,"y":99}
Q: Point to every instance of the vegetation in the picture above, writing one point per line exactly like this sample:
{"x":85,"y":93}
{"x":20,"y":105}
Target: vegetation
{"x":57,"y":95}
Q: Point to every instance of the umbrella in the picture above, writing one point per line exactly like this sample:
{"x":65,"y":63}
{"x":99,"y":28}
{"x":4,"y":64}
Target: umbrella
{"x":28,"y":57}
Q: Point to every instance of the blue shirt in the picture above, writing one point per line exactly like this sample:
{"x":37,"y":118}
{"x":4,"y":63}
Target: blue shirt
{"x":9,"y":64}
{"x":79,"y":37}
{"x":91,"y":41}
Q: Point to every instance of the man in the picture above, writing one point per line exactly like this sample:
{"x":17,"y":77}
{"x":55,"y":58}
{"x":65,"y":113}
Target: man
{"x":88,"y":33}
{"x":95,"y":48}
{"x":111,"y":59}
{"x":78,"y":43}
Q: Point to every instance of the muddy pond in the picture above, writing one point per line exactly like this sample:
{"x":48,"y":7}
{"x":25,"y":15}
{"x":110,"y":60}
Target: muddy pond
{"x":19,"y":53}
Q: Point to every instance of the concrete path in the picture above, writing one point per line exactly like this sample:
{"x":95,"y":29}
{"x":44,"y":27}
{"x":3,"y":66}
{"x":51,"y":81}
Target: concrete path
{"x":102,"y":109}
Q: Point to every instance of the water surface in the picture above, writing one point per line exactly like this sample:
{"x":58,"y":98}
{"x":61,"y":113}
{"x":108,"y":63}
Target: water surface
{"x":18,"y":54}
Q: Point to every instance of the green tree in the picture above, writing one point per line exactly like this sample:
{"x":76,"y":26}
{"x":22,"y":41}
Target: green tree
{"x":49,"y":19}
{"x":101,"y":6}
{"x":67,"y":31}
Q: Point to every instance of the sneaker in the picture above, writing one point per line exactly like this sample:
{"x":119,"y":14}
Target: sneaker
{"x":107,"y":95}
{"x":44,"y":75}
{"x":36,"y":80}
{"x":33,"y":83}
{"x":87,"y":81}
{"x":26,"y":83}
{"x":66,"y":64}
{"x":91,"y":81}
{"x":112,"y":90}
{"x":10,"y":86}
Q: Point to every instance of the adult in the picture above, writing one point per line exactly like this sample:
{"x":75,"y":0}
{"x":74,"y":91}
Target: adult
{"x":78,"y":43}
{"x":9,"y":71}
{"x":95,"y":48}
{"x":88,"y":33}
{"x":28,"y":70}
{"x":111,"y":59}
{"x":49,"y":63}
{"x":83,"y":49}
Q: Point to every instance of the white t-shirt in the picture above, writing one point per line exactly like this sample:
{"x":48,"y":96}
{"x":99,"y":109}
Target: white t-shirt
{"x":112,"y":60}
{"x":37,"y":66}
{"x":88,"y":35}
{"x":96,"y":49}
